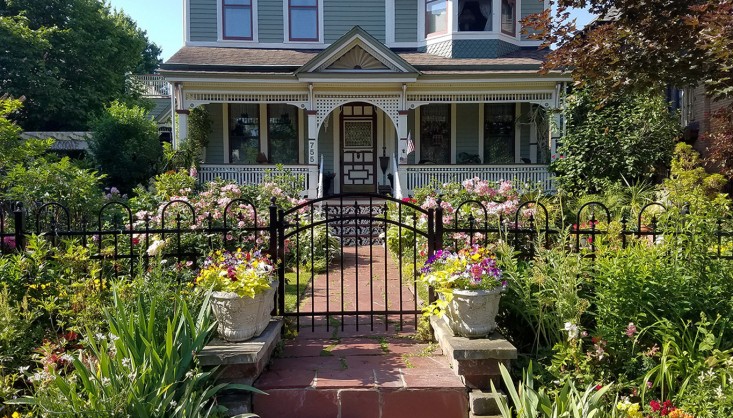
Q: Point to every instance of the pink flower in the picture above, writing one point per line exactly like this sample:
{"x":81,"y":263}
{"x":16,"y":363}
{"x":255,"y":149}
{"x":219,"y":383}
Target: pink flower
{"x":630,"y":330}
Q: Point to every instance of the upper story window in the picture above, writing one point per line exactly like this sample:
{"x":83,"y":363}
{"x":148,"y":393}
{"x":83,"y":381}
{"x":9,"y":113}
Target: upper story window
{"x":237,"y":19}
{"x":436,"y":16}
{"x":303,"y":20}
{"x":509,"y":17}
{"x":474,"y":15}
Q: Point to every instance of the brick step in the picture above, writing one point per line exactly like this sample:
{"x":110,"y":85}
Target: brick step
{"x":374,"y":402}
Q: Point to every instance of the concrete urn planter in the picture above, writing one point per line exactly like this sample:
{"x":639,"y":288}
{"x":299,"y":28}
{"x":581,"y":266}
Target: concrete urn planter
{"x":241,"y":318}
{"x":472,"y":313}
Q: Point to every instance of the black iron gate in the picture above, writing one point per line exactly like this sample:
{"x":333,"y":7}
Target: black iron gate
{"x":338,"y":269}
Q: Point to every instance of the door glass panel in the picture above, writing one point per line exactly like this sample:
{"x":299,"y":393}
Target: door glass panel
{"x":358,"y":134}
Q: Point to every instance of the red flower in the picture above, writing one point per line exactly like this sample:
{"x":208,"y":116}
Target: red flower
{"x":135,"y":241}
{"x":71,"y":336}
{"x":654,"y":404}
{"x":599,"y":387}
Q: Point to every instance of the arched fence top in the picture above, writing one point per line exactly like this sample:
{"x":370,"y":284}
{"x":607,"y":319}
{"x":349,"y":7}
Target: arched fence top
{"x":239,"y":202}
{"x":589,"y":206}
{"x":44,"y":208}
{"x":532,"y":217}
{"x":173,"y":203}
{"x":126,"y":209}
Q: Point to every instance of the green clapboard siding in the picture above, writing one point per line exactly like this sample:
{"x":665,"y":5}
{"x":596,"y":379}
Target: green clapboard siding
{"x":405,"y":20}
{"x":466,"y":129}
{"x":202,"y":20}
{"x":215,"y":149}
{"x":270,"y":21}
{"x":340,"y":16}
{"x":531,"y":7}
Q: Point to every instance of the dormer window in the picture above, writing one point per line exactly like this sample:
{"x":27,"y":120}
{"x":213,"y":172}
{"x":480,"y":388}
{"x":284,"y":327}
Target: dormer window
{"x":474,"y":15}
{"x":436,"y":17}
{"x":237,"y":19}
{"x":509,"y":17}
{"x":303,"y":20}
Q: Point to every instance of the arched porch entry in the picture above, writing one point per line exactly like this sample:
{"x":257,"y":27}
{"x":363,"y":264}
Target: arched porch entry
{"x":356,"y":138}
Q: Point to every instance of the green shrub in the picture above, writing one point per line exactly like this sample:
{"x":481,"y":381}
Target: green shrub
{"x":629,"y":137}
{"x":125,"y":145}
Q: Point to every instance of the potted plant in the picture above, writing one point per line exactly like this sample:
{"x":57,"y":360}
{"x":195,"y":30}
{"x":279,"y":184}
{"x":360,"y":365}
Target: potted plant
{"x":243,"y":286}
{"x":469,"y":284}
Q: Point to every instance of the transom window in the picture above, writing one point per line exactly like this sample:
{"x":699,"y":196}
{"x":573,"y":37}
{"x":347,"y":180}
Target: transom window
{"x":509,"y":17}
{"x":237,"y":19}
{"x":436,"y":16}
{"x":474,"y":15}
{"x":303,"y":20}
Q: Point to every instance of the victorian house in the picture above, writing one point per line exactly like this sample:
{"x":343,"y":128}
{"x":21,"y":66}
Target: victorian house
{"x":368,"y":95}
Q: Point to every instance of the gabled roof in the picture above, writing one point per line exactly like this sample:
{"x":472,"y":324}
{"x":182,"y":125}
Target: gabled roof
{"x":357,"y":52}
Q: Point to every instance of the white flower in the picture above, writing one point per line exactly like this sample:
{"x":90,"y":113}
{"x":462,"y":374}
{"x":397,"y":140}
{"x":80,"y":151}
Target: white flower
{"x":105,"y":381}
{"x":174,"y":404}
{"x":113,"y":337}
{"x":719,"y":392}
{"x":572,"y":331}
{"x":24,"y":369}
{"x":155,"y":247}
{"x":126,"y":362}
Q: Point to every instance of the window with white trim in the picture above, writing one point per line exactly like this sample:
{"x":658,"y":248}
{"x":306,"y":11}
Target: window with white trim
{"x":237,"y":19}
{"x":303,"y":20}
{"x":474,"y":15}
{"x":436,"y":16}
{"x":509,"y":17}
{"x":499,"y":133}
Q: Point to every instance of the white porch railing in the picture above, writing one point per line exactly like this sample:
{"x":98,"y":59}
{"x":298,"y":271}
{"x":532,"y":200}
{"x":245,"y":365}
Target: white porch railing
{"x":319,"y":193}
{"x":150,"y":85}
{"x":254,"y":174}
{"x":415,"y":176}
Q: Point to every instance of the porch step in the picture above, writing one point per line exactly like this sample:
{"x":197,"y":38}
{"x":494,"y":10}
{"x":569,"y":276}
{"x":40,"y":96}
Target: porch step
{"x":362,"y":376}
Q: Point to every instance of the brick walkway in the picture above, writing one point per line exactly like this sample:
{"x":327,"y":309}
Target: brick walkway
{"x":346,"y":369}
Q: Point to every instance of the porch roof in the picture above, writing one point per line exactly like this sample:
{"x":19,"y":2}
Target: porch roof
{"x":287,"y":61}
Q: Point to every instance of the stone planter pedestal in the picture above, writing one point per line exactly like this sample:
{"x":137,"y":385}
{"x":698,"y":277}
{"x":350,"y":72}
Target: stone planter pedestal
{"x":241,"y":318}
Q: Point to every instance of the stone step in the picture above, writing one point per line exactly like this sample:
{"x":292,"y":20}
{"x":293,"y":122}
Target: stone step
{"x":483,"y":403}
{"x":367,"y":402}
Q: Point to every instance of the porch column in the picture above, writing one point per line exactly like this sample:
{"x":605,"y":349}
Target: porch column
{"x":312,"y":150}
{"x":182,"y":127}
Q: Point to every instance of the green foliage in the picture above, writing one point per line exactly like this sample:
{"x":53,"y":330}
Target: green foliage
{"x":58,"y":181}
{"x":69,"y":58}
{"x":136,"y":369}
{"x":125,"y":145}
{"x":630,"y":137}
{"x":190,"y":151}
{"x":689,"y":184}
{"x":566,"y":401}
{"x":633,"y":46}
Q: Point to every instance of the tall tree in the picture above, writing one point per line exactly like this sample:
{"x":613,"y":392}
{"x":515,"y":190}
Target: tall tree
{"x":638,"y":44}
{"x":68,"y":58}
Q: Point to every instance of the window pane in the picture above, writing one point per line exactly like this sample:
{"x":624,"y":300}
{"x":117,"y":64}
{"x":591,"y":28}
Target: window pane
{"x":435,"y":134}
{"x":237,"y":2}
{"x":499,"y":138}
{"x":436,"y":16}
{"x":303,"y":24}
{"x":474,"y":15}
{"x":238,"y":23}
{"x":313,"y":3}
{"x":282,"y":124}
{"x":508,"y":16}
{"x":244,"y":133}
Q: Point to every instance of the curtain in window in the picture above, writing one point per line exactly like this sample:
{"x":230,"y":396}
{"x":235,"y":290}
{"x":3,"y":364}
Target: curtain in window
{"x":485,"y":7}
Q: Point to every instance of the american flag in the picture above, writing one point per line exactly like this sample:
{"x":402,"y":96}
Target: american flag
{"x":410,"y":143}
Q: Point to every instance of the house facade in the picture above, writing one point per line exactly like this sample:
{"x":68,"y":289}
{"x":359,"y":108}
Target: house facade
{"x":369,"y":95}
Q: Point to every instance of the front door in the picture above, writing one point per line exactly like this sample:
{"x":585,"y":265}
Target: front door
{"x":358,"y":148}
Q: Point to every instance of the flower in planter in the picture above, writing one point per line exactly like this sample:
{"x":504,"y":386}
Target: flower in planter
{"x":240,"y":272}
{"x":473,"y":268}
{"x":469,"y":269}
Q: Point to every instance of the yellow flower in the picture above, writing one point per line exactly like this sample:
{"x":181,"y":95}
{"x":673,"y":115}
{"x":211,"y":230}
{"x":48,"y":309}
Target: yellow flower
{"x":16,"y":414}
